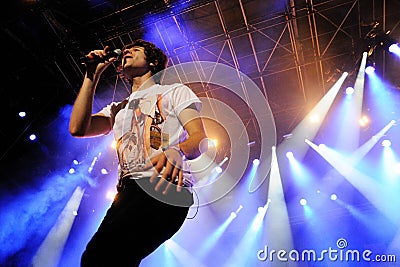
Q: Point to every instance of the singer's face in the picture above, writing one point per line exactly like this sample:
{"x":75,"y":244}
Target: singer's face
{"x":134,"y":61}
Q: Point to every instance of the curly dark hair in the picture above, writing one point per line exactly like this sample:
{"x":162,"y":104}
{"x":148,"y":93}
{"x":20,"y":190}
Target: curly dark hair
{"x":153,"y":54}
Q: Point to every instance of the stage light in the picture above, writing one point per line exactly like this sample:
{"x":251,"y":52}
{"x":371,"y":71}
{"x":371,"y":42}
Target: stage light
{"x":265,"y":207}
{"x":394,"y":48}
{"x":218,"y":169}
{"x":104,"y":171}
{"x":333,"y":196}
{"x":235,"y":213}
{"x":32,"y":137}
{"x":349,"y":90}
{"x":303,"y":202}
{"x":256,"y":162}
{"x":386,"y":143}
{"x":71,"y":171}
{"x":369,"y":70}
{"x":289,"y":154}
{"x":75,"y":162}
{"x":363,"y":121}
{"x":22,"y":114}
{"x":322,"y":146}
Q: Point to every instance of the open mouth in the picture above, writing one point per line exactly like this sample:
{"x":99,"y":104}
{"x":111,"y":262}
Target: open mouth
{"x":124,"y":58}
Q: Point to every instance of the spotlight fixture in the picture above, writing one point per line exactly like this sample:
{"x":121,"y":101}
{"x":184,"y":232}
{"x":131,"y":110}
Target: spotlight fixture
{"x":256,"y":162}
{"x":363,"y":121}
{"x":218,"y":169}
{"x":265,"y":207}
{"x":289,"y":154}
{"x":349,"y":90}
{"x":321,"y":146}
{"x":260,"y":209}
{"x":32,"y":137}
{"x":370,"y":70}
{"x":235,"y":213}
{"x":378,"y":38}
{"x":386,"y":143}
{"x":393,"y":48}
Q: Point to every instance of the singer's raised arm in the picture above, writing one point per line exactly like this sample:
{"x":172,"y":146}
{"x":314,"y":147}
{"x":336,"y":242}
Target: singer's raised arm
{"x":82,"y":122}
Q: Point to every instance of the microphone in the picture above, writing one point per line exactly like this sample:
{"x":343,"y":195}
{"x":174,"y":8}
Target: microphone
{"x":95,"y":59}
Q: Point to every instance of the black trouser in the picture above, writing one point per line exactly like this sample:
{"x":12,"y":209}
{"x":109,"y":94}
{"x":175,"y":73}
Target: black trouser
{"x":136,"y":224}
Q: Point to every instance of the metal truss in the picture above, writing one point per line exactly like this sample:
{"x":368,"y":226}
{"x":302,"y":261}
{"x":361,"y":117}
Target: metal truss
{"x":294,"y":56}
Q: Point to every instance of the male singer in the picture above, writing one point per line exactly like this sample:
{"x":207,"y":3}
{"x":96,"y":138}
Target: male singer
{"x":157,"y":130}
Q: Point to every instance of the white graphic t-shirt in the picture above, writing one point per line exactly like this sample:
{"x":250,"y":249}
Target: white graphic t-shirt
{"x":145,"y":123}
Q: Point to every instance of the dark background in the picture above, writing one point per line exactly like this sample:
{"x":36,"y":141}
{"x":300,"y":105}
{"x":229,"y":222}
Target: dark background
{"x":294,"y":51}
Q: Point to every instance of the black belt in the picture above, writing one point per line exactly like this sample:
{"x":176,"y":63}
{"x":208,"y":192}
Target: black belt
{"x":141,"y":185}
{"x":128,"y":180}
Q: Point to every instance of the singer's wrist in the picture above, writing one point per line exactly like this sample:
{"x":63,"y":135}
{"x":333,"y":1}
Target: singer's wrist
{"x":175,"y":148}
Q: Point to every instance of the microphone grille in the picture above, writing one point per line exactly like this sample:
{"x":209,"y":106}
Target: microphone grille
{"x":118,"y":51}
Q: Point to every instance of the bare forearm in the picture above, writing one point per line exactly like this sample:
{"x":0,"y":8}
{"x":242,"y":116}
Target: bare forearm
{"x":194,"y":146}
{"x":82,"y":122}
{"x":82,"y":110}
{"x":196,"y":143}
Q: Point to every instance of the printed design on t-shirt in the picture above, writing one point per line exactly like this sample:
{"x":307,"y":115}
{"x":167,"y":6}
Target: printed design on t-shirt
{"x":158,"y":138}
{"x":131,"y":147}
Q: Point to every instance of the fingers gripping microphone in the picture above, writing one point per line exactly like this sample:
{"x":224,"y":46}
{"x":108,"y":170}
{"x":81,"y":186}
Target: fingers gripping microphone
{"x":95,"y":59}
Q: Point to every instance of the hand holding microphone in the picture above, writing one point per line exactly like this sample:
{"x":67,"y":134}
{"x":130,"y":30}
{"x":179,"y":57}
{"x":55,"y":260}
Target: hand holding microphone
{"x":101,"y":56}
